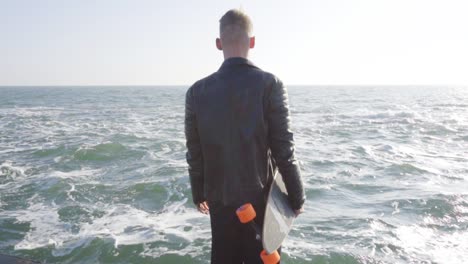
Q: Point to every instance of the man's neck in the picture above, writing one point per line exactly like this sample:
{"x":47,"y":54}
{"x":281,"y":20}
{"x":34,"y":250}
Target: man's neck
{"x":235,"y":54}
{"x":228,"y":57}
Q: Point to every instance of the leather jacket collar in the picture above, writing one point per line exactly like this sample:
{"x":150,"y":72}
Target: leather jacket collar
{"x":236,"y":61}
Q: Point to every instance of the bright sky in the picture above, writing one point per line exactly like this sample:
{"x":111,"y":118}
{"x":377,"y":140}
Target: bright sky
{"x":149,"y":42}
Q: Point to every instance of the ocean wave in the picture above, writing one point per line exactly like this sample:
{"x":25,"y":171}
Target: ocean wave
{"x":9,"y":172}
{"x":123,"y":224}
{"x":105,"y":151}
{"x":427,"y":244}
{"x":82,"y":173}
{"x":405,"y":169}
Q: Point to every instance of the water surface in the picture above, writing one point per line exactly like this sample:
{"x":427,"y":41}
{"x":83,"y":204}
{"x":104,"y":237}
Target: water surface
{"x":98,"y":174}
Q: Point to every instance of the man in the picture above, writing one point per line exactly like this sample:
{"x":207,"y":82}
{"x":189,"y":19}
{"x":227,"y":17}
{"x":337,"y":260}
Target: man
{"x":237,"y":127}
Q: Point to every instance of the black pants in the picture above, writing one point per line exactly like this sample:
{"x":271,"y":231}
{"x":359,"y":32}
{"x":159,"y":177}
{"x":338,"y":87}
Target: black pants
{"x":233,"y":242}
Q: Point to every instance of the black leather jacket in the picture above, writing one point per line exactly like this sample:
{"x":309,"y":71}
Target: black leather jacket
{"x":237,"y":127}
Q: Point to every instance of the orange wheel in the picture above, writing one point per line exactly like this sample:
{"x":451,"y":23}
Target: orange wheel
{"x":246,"y":213}
{"x":273,"y":258}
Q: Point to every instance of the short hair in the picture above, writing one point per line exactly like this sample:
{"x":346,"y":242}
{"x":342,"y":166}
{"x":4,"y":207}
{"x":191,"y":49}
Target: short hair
{"x":235,"y":26}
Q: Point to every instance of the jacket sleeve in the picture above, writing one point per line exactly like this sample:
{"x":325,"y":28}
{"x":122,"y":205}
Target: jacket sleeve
{"x":194,"y":154}
{"x":281,"y":143}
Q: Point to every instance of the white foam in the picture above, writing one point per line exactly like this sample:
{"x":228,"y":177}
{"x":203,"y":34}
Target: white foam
{"x":46,"y":227}
{"x":396,"y":210}
{"x":83,"y":173}
{"x":442,"y":247}
{"x":123,"y":224}
{"x":8,"y":170}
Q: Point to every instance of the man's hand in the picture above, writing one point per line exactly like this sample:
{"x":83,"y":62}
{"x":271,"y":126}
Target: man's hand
{"x":299,"y":211}
{"x":203,"y":207}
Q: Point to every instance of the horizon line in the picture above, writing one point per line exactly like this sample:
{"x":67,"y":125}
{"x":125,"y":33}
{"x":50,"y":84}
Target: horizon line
{"x":188,"y":85}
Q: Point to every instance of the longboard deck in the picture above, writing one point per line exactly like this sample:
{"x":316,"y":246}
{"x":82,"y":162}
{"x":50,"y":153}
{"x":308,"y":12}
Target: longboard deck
{"x":279,"y":215}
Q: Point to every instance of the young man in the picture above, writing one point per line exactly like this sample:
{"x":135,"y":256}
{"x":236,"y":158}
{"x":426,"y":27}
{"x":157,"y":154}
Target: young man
{"x":237,"y":127}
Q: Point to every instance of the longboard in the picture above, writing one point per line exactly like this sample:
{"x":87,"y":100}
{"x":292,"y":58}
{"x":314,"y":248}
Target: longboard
{"x":279,"y":217}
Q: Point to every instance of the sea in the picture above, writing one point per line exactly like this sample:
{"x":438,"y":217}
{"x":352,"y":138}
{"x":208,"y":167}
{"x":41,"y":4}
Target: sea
{"x":98,"y":175}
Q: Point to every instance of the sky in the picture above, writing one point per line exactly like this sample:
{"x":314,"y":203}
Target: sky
{"x":172,"y":42}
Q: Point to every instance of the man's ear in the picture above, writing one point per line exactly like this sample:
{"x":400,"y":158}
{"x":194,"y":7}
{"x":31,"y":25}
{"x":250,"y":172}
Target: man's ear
{"x":219,"y":44}
{"x":252,"y":42}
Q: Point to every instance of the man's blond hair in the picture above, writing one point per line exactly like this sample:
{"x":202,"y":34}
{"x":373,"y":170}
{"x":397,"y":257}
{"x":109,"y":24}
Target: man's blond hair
{"x":235,"y":27}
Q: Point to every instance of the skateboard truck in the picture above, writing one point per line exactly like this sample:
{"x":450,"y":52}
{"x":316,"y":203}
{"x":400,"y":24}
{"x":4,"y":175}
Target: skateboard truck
{"x":246,"y":214}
